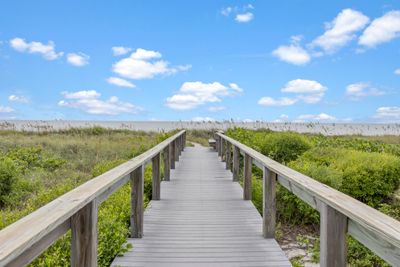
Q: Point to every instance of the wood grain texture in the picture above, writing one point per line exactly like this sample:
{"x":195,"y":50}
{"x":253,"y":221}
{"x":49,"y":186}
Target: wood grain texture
{"x":173,"y":154}
{"x":228,"y":156}
{"x":202,"y":220}
{"x":333,"y":245}
{"x":176,"y":150}
{"x":236,"y":164}
{"x":156,"y":177}
{"x":367,"y":221}
{"x":166,"y":160}
{"x":84,"y":236}
{"x":269,"y":203}
{"x":223,"y":148}
{"x":247,"y":180}
{"x":137,"y":204}
{"x":22,"y":235}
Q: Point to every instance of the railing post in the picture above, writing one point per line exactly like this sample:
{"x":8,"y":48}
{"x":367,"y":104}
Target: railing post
{"x":269,"y":203}
{"x":333,"y":245}
{"x":156,"y":181}
{"x":176,"y":142}
{"x":228,"y":155}
{"x":236,"y":163}
{"x":247,"y":182}
{"x":216,"y":137}
{"x":167,"y":163}
{"x":137,"y":208}
{"x":179,"y":145}
{"x":172,"y":154}
{"x":84,"y":236}
{"x":223,"y":148}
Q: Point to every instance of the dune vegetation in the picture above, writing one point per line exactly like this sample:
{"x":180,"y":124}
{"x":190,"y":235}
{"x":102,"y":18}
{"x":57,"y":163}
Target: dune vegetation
{"x":36,"y":168}
{"x":367,"y":169}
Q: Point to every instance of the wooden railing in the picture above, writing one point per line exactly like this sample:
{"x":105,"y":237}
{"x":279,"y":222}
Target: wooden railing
{"x":24,"y":240}
{"x":340,"y":214}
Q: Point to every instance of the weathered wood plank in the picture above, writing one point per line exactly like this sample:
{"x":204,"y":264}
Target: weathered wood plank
{"x":236,"y":163}
{"x":30,"y":254}
{"x":247,"y":182}
{"x":84,"y":236}
{"x":176,"y":150}
{"x":333,"y":245}
{"x":202,"y":220}
{"x":223,"y":148}
{"x":167,"y":162}
{"x":137,"y":204}
{"x":172,"y":155}
{"x":228,"y":156}
{"x":269,"y":203}
{"x":156,"y":177}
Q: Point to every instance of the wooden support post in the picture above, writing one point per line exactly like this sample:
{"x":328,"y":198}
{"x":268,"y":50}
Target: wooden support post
{"x":172,"y":154}
{"x":218,"y":140}
{"x":228,"y":156}
{"x":179,"y":145}
{"x":137,"y":205}
{"x":333,"y":231}
{"x":176,"y":142}
{"x":236,"y":163}
{"x":156,"y":181}
{"x":216,"y":137}
{"x":167,"y":163}
{"x":269,"y":203}
{"x":84,"y":236}
{"x":247,"y":182}
{"x":223,"y":148}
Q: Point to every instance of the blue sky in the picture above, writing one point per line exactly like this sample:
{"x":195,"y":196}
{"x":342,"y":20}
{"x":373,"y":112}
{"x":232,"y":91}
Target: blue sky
{"x":327,"y":61}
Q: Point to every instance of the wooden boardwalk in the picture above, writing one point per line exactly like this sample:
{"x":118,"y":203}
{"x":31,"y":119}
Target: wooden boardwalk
{"x":202,"y":220}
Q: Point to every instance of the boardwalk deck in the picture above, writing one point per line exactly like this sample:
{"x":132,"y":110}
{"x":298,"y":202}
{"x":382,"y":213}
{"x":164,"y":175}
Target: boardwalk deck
{"x":202,"y":220}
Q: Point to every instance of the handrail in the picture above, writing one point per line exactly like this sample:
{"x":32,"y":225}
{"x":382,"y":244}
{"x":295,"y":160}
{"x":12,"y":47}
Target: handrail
{"x":24,"y":240}
{"x":340,"y":213}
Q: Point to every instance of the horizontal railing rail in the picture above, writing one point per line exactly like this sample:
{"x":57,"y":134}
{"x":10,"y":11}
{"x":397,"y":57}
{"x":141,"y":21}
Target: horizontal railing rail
{"x":339,"y":213}
{"x":24,"y":240}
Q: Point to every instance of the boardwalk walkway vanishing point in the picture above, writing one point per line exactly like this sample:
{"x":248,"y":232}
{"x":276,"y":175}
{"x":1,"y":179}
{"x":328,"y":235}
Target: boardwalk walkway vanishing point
{"x":202,"y":220}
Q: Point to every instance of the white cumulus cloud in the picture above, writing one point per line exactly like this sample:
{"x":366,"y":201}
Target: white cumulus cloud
{"x":242,"y":14}
{"x":194,"y":94}
{"x":6,"y":109}
{"x":244,"y":17}
{"x":341,"y":30}
{"x":381,"y":30}
{"x":389,"y":114}
{"x":203,"y":119}
{"x":145,"y":64}
{"x":78,"y":59}
{"x":120,"y":50}
{"x":293,"y":54}
{"x":308,"y":91}
{"x":46,"y":50}
{"x":120,"y":82}
{"x":90,"y":102}
{"x":362,"y":89}
{"x":18,"y":98}
{"x":283,"y":101}
{"x":319,"y":117}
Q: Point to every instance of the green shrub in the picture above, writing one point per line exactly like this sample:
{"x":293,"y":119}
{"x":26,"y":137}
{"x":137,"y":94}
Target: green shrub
{"x":284,"y":147}
{"x":26,"y":157}
{"x":368,"y":177}
{"x":8,"y":175}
